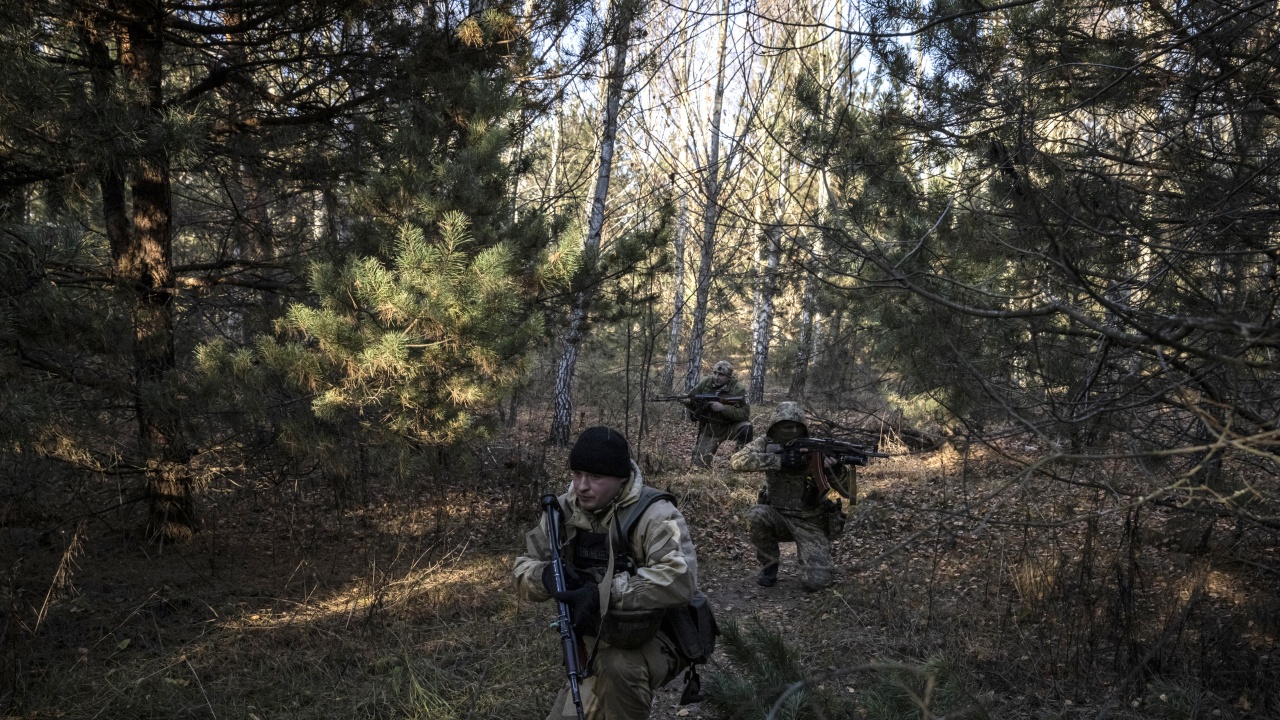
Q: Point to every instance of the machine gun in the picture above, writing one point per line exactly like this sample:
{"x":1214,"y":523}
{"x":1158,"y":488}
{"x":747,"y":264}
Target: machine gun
{"x":568,"y":638}
{"x":699,"y":403}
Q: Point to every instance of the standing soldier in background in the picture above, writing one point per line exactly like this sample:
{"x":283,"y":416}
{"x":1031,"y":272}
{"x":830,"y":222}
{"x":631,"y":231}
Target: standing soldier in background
{"x":617,"y":600}
{"x":793,"y":506}
{"x":719,"y":421}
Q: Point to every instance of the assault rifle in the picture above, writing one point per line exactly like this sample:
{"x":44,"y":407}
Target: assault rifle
{"x":820,"y":448}
{"x":568,"y":638}
{"x":845,"y":453}
{"x":700,"y":402}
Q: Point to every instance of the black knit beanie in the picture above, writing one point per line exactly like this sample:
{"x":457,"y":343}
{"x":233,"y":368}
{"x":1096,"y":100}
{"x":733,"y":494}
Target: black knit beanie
{"x":601,"y":450}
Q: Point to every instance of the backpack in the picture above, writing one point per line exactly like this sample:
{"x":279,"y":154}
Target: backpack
{"x":692,"y":628}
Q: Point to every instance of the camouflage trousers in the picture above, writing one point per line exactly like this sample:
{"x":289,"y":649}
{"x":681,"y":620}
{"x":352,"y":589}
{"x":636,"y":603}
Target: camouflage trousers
{"x":710,"y":436}
{"x":767,"y":527}
{"x":622,"y":682}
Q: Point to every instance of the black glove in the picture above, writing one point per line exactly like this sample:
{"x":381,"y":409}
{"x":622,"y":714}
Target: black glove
{"x":793,"y":458}
{"x":584,"y":605}
{"x":572,"y":578}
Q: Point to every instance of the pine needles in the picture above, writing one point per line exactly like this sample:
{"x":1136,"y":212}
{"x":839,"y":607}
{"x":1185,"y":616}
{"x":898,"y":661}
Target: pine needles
{"x":768,"y":681}
{"x":763,"y":666}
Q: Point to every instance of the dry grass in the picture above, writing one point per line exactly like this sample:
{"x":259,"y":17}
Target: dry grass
{"x":403,"y":608}
{"x":390,"y":616}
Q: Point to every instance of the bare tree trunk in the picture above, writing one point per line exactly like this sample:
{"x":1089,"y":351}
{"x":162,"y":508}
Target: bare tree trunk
{"x":768,"y":256}
{"x":678,"y":299}
{"x":800,"y":374}
{"x":623,"y":15}
{"x":710,"y":216}
{"x":769,"y":253}
{"x":144,"y":268}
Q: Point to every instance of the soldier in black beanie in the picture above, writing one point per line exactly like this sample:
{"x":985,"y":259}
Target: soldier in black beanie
{"x":603,"y":451}
{"x":654,"y":571}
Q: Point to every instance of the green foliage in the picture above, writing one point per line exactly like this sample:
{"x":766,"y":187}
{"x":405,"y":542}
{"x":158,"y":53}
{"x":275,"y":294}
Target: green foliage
{"x":903,"y":694}
{"x":417,"y":348}
{"x":762,"y":665}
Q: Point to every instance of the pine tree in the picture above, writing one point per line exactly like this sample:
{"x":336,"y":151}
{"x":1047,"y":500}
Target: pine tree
{"x":413,"y":350}
{"x":156,"y":159}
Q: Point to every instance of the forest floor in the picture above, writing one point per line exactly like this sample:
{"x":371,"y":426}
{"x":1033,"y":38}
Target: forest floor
{"x":400,"y":605}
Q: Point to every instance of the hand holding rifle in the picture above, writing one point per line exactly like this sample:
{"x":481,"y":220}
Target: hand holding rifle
{"x":558,"y":579}
{"x":821,"y":454}
{"x":700,"y":403}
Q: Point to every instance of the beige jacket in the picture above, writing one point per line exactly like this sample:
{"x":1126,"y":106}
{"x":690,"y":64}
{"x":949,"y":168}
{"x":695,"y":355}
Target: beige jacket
{"x":667,"y":567}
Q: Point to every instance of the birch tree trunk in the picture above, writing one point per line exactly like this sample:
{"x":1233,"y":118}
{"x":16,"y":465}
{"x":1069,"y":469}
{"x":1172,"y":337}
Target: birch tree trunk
{"x":710,"y":214}
{"x":667,"y":381}
{"x":623,"y":13}
{"x":804,"y":349}
{"x":768,"y":256}
{"x":677,"y":305}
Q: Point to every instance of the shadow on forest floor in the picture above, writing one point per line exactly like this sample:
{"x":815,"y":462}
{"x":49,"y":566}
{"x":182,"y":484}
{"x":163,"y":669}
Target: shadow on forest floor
{"x":403,"y":607}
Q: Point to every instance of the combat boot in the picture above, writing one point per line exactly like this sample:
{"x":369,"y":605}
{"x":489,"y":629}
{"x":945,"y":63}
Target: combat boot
{"x":768,"y":576}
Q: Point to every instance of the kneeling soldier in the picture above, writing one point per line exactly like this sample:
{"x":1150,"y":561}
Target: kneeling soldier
{"x":719,"y":421}
{"x":793,"y":505}
{"x":628,"y":560}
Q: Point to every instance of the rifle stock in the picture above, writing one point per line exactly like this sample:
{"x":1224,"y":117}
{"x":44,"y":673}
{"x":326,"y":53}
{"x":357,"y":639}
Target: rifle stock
{"x":568,"y":638}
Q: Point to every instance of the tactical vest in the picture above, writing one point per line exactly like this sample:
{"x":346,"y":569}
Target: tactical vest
{"x":793,"y":493}
{"x":590,"y":554}
{"x":590,"y":550}
{"x":692,"y":629}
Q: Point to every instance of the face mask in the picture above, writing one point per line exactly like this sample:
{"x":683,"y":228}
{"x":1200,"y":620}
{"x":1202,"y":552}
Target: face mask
{"x":786,"y":431}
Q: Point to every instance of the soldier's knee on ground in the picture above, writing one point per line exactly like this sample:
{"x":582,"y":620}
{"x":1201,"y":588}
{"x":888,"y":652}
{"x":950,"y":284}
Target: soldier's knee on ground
{"x":813,"y":579}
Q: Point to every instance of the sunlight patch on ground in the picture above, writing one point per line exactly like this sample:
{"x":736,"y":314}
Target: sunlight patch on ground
{"x":454,"y":583}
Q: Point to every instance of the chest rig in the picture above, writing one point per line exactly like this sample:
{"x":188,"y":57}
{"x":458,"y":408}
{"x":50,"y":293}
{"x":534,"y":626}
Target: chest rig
{"x":590,"y":554}
{"x":792,"y":492}
{"x":590,"y":550}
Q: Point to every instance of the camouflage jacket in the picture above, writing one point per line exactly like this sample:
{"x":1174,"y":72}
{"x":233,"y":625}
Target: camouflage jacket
{"x":791,"y":492}
{"x":666,"y":573}
{"x":732,"y":414}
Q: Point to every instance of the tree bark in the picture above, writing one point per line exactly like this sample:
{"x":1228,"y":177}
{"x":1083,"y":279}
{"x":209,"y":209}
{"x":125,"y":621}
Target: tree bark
{"x":678,"y":299}
{"x":623,"y":15}
{"x":769,"y":253}
{"x":800,"y":374}
{"x":144,"y":270}
{"x":710,"y":217}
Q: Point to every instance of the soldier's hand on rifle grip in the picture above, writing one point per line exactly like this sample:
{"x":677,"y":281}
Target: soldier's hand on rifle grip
{"x":793,"y":458}
{"x":717,"y":407}
{"x":584,"y":603}
{"x":572,"y":578}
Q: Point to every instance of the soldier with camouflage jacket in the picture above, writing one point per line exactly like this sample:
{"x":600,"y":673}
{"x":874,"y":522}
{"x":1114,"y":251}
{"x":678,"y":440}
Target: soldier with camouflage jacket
{"x":792,"y":506}
{"x":719,"y":421}
{"x":656,"y":569}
